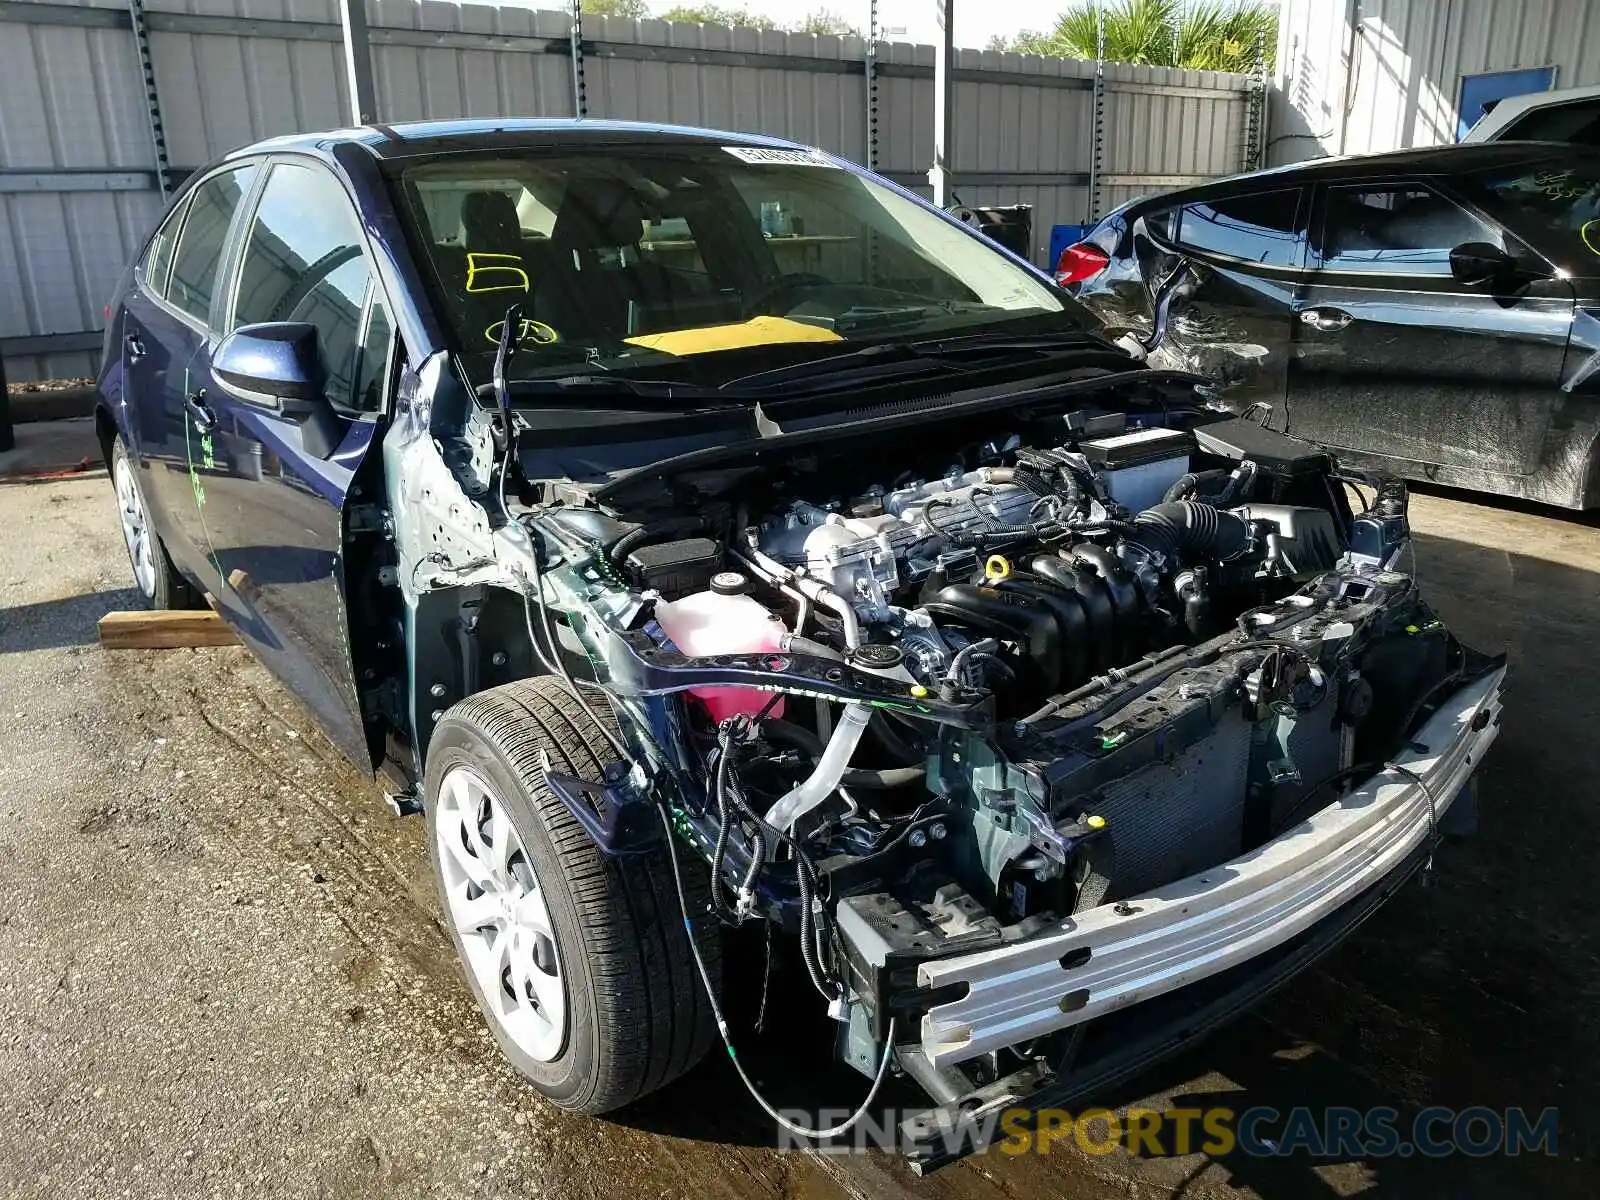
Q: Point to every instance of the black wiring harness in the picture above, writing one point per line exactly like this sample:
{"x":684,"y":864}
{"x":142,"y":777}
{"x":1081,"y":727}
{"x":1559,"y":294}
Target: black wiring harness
{"x":727,"y":793}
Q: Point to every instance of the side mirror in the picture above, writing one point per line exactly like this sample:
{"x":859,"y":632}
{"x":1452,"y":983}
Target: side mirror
{"x":275,"y":365}
{"x":1473,"y":263}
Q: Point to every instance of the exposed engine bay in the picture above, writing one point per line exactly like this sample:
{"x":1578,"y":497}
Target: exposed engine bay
{"x":919,"y":700}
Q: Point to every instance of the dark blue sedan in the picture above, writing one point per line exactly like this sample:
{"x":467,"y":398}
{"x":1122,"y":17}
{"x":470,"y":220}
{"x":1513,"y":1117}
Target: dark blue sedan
{"x":698,"y":530}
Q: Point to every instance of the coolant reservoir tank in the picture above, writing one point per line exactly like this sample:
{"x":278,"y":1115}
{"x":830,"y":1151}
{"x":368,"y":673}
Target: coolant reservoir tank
{"x":703,"y":624}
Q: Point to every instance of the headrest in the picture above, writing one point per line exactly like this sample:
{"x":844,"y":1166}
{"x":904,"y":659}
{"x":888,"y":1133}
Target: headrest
{"x":489,"y":222}
{"x":611,"y":210}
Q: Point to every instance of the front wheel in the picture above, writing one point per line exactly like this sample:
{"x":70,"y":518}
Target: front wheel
{"x":580,"y":963}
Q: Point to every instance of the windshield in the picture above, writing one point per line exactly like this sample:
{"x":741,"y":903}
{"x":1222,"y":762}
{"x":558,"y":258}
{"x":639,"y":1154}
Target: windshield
{"x":1557,"y":205}
{"x":680,"y":256}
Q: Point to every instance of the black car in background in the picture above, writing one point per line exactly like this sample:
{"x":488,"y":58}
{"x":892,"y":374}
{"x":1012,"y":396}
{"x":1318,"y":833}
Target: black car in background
{"x":1431,"y":313}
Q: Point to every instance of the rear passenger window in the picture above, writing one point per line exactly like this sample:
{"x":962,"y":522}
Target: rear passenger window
{"x":304,"y":261}
{"x":1397,"y":231}
{"x":1258,"y":229}
{"x":157,"y":263}
{"x":205,"y":229}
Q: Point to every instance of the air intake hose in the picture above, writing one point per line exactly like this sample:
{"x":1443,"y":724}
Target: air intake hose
{"x":1185,"y":530}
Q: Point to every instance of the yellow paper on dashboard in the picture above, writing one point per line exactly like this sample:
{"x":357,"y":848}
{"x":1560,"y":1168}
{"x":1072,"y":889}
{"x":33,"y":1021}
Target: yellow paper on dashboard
{"x":757,"y":331}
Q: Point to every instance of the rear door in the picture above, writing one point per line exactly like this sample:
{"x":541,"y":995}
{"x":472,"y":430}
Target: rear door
{"x":1394,"y":357}
{"x":164,"y":336}
{"x":1248,"y":251}
{"x":275,"y":503}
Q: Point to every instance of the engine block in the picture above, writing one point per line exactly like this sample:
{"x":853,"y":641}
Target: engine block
{"x":885,"y":539}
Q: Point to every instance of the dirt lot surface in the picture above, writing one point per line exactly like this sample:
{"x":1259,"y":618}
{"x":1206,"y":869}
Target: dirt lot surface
{"x":222,"y":971}
{"x":47,"y":385}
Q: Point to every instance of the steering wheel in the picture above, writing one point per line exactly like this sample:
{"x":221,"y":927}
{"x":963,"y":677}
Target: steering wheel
{"x":778,"y":287}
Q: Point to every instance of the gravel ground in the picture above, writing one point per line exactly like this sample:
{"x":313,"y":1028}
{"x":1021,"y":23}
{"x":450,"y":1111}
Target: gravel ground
{"x":29,"y":386}
{"x":224,"y":971}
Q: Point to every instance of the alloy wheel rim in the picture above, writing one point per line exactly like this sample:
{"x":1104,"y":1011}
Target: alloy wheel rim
{"x":497,"y":905}
{"x":135,"y":528}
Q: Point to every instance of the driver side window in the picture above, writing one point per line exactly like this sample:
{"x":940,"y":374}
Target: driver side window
{"x":1405,"y":230}
{"x":305,"y":261}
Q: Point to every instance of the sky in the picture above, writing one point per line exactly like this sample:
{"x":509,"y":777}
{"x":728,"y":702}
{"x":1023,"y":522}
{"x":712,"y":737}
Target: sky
{"x":976,"y":20}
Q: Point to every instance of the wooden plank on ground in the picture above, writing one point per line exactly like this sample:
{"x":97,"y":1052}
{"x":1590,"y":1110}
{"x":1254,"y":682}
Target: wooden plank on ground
{"x":164,"y":630}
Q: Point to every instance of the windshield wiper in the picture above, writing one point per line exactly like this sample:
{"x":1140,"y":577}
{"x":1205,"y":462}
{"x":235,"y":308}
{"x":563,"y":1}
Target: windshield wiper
{"x":978,"y":343}
{"x":881,"y":359}
{"x":889,"y":360}
{"x":655,"y":395}
{"x":865,"y":317}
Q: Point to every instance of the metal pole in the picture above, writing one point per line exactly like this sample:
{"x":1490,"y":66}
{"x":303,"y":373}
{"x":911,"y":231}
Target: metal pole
{"x":1351,"y":34}
{"x":358,"y":62}
{"x":1256,"y":125}
{"x":872,"y":85}
{"x":580,"y":98}
{"x":943,"y":110}
{"x":1098,"y":142}
{"x":147,"y":72}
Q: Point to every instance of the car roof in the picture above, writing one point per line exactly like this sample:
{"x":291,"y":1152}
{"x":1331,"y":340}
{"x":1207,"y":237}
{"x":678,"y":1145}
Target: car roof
{"x":1513,"y":107}
{"x":412,"y":139}
{"x":1431,"y":160}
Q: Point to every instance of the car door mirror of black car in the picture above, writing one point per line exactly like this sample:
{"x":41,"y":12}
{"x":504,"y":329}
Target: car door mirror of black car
{"x":1474,"y":263}
{"x":275,"y":365}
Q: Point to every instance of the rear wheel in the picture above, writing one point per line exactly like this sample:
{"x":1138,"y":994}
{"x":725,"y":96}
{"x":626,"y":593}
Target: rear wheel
{"x":153,"y":573}
{"x":579,"y":962}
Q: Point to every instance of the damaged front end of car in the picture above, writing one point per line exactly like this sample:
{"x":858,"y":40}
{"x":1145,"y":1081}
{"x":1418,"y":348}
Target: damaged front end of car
{"x":1083,"y":711}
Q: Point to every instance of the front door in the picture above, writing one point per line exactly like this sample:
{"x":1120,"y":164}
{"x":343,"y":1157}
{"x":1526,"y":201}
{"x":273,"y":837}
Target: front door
{"x":165,"y":363}
{"x":1395,"y":358}
{"x":276,"y":494}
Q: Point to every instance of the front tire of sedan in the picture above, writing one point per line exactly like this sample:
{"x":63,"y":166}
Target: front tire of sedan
{"x":153,"y":573}
{"x":579,"y":962}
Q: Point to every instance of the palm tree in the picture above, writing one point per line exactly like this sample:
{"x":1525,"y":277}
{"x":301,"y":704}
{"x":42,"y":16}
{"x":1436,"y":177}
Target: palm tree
{"x":1211,"y":35}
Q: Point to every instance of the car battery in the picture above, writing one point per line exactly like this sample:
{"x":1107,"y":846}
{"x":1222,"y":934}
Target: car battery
{"x":1139,"y":466}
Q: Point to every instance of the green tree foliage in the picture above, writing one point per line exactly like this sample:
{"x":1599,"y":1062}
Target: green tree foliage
{"x":825,"y":22}
{"x":1207,"y":35}
{"x":715,"y":14}
{"x":638,"y":10}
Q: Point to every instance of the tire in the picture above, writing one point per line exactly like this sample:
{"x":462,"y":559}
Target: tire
{"x":153,"y":573}
{"x":636,"y":1015}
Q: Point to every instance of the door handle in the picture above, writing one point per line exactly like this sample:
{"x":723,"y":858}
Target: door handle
{"x":1325,"y":319}
{"x":134,"y":347}
{"x":199,"y":412}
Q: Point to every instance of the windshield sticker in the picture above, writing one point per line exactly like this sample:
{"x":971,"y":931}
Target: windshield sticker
{"x":495,"y":273}
{"x":772,"y":156}
{"x":1559,"y":185}
{"x":529,"y":330}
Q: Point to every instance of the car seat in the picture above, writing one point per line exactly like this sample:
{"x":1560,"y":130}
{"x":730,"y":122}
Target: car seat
{"x":496,"y":270}
{"x":599,"y":283}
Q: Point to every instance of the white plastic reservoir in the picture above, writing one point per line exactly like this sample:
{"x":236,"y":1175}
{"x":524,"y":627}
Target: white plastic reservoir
{"x":703,"y":624}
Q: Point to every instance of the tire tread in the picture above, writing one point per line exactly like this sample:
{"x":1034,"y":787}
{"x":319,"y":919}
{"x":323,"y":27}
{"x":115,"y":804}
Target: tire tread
{"x":654,"y":1020}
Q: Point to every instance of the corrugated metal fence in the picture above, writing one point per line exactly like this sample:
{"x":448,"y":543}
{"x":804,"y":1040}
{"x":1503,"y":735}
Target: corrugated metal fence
{"x":1386,"y":74}
{"x":78,"y":158}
